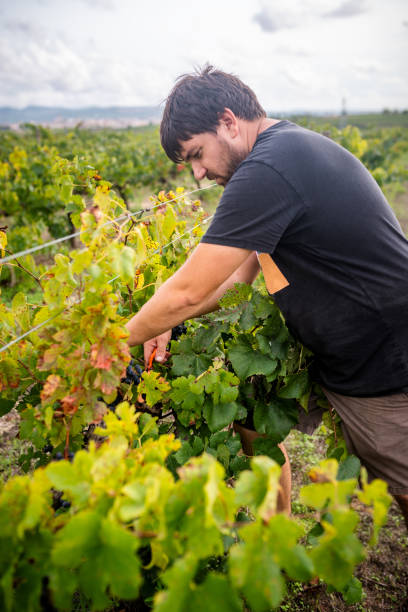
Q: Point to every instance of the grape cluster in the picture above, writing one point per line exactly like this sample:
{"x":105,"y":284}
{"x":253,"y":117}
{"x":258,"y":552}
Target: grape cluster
{"x":178,"y":331}
{"x":133,"y":373}
{"x":59,"y":456}
{"x":58,"y":502}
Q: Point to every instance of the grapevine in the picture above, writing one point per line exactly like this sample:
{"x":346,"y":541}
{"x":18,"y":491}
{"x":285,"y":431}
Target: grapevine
{"x":136,"y":473}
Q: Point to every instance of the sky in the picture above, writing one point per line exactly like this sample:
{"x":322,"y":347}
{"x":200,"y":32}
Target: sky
{"x":295,"y":54}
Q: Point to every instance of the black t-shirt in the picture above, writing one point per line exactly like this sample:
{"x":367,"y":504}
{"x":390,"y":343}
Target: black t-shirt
{"x":318,"y":212}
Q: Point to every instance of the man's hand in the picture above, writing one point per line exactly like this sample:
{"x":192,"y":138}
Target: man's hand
{"x":160,"y":344}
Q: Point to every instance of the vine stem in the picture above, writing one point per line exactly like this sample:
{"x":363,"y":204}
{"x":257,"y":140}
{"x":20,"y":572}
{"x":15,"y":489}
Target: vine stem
{"x":130,"y":294}
{"x":20,"y":265}
{"x":68,"y":431}
{"x":331,"y":411}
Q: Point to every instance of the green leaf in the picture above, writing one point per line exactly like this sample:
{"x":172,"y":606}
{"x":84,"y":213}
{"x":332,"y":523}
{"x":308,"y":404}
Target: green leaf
{"x":169,"y":222}
{"x":153,"y":386}
{"x":276,"y":418}
{"x":239,"y":293}
{"x":248,"y":319}
{"x":265,"y":307}
{"x":197,"y":446}
{"x":247,"y":361}
{"x":184,"y":453}
{"x":349,"y":468}
{"x":353,"y":591}
{"x":268,"y":447}
{"x":283,"y":535}
{"x":75,"y":541}
{"x":259,"y":487}
{"x":185,"y":392}
{"x":215,"y":594}
{"x":254,"y":573}
{"x":126,"y":264}
{"x":375,"y":494}
{"x":178,"y":579}
{"x":67,"y":477}
{"x":185,"y":361}
{"x":221,"y":384}
{"x":339,"y":550}
{"x":296,"y":385}
{"x":6,"y":405}
{"x":204,"y":337}
{"x":117,"y":561}
{"x":219,"y":416}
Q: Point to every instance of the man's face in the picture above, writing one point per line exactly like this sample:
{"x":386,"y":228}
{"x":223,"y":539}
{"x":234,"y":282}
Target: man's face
{"x":212,"y":156}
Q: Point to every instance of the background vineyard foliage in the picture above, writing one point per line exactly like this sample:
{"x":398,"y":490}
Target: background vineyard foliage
{"x":237,"y":364}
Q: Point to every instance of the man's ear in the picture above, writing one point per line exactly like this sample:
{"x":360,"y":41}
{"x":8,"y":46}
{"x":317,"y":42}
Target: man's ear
{"x":229,"y":121}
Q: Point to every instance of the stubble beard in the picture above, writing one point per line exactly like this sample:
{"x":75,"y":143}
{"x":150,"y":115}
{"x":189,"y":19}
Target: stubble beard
{"x":231,"y":159}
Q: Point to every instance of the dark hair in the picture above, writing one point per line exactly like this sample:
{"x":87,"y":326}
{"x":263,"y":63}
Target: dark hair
{"x":197,"y":102}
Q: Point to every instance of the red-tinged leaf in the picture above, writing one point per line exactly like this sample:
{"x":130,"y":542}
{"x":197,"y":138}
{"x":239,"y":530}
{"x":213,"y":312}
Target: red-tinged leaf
{"x":50,"y":386}
{"x":101,"y":358}
{"x":49,"y":358}
{"x":9,"y":374}
{"x":69,"y":404}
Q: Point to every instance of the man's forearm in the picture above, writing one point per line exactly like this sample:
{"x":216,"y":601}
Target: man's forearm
{"x":174,"y":302}
{"x":153,"y":319}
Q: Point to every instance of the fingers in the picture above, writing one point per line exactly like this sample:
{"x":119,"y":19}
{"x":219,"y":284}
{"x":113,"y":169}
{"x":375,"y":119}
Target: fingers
{"x":148,"y":349}
{"x":158,"y":344}
{"x":162,"y":342}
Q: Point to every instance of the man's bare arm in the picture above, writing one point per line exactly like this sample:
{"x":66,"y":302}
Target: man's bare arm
{"x":193,"y":290}
{"x":246,"y":273}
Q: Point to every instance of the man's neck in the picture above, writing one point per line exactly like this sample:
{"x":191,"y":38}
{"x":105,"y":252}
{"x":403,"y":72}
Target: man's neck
{"x":266,"y":123}
{"x":254,"y":128}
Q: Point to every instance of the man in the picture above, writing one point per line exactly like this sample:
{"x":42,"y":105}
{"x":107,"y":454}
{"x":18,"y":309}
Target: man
{"x":333,"y":255}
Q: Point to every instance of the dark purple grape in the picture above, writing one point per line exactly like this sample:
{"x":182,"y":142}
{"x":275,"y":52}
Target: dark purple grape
{"x":58,"y":456}
{"x":133,"y":373}
{"x":48,"y":448}
{"x":178,"y":331}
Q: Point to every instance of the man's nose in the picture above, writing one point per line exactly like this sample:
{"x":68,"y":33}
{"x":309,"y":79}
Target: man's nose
{"x":198,"y":170}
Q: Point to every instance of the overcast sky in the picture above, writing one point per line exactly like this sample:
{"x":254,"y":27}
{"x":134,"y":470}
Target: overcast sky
{"x":295,"y":54}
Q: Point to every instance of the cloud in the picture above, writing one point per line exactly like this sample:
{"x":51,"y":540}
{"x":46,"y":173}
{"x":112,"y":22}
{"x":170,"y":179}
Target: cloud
{"x":106,"y":5}
{"x":272,"y":21}
{"x":368,"y":68}
{"x":350,"y":8}
{"x":50,"y":71}
{"x":291,"y":51}
{"x":24,"y":29}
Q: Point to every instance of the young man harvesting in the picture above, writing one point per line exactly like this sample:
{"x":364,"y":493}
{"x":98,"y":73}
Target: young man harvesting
{"x":333,"y":255}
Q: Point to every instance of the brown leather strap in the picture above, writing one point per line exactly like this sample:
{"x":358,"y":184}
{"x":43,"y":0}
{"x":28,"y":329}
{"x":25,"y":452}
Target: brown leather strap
{"x":274,"y":279}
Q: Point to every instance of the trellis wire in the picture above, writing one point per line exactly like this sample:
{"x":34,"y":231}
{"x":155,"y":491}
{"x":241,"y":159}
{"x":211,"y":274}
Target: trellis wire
{"x":4,"y":260}
{"x":33,"y":329}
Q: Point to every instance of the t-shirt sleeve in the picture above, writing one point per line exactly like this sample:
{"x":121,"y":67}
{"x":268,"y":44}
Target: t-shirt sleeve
{"x":257,"y":207}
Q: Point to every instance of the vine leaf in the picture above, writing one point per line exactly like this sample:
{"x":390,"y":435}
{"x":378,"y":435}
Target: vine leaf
{"x":247,"y":361}
{"x":153,"y":386}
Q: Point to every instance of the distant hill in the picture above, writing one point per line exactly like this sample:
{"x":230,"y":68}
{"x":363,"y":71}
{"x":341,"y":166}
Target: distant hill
{"x":60,"y":115}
